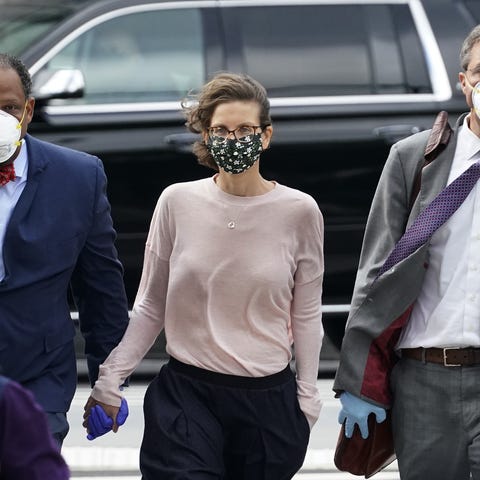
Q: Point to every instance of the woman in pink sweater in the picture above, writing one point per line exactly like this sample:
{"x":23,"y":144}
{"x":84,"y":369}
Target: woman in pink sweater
{"x":233,"y":272}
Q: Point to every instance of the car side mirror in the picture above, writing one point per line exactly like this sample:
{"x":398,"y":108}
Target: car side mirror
{"x":63,"y":83}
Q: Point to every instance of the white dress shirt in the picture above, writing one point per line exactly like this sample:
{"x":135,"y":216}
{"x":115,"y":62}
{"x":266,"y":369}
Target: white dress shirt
{"x":447,"y":311}
{"x":9,"y":195}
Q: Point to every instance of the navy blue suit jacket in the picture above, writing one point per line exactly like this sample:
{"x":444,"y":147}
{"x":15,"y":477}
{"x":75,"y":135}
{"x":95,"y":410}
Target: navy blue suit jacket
{"x":60,"y":233}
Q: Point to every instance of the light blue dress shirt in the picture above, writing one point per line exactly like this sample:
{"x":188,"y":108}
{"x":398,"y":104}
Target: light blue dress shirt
{"x":9,"y":195}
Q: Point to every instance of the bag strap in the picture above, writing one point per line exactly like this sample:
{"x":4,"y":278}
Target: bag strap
{"x":436,"y":143}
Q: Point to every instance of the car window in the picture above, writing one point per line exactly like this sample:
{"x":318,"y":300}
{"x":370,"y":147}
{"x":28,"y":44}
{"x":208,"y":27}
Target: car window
{"x":474,"y":8}
{"x":140,"y":57}
{"x":22,"y":25}
{"x":312,"y":50}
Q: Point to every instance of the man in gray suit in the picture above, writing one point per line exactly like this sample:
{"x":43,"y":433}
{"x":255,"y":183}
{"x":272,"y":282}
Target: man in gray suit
{"x":412,"y":341}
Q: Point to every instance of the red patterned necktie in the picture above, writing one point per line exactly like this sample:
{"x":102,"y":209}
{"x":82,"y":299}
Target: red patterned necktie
{"x":7,"y":173}
{"x":443,"y":206}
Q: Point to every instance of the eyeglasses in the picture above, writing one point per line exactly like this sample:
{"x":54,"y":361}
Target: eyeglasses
{"x":243,"y":134}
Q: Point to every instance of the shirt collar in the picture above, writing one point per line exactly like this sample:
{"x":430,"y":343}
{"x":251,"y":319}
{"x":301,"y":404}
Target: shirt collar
{"x":20,"y":163}
{"x":468,"y":140}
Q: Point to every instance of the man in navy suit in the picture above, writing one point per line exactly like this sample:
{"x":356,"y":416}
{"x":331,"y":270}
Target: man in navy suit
{"x":55,"y":231}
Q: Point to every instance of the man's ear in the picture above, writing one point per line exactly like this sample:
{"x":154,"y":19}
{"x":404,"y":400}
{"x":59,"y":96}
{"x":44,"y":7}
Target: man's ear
{"x":29,"y":108}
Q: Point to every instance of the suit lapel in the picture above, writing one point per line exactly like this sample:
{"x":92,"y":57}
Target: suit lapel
{"x":435,"y":175}
{"x":36,"y":164}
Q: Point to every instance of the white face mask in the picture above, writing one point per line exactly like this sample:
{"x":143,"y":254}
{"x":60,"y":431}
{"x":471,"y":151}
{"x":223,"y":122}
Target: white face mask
{"x":10,"y":133}
{"x":475,"y":97}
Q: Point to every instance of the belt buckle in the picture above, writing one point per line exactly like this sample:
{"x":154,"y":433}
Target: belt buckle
{"x":445,"y":352}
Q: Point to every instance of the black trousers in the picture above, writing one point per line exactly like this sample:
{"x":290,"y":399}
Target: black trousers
{"x":202,"y":425}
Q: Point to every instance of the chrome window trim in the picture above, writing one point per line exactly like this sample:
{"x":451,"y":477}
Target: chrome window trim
{"x":340,"y":308}
{"x":435,"y":65}
{"x":274,"y":102}
{"x":243,"y":3}
{"x":112,"y":108}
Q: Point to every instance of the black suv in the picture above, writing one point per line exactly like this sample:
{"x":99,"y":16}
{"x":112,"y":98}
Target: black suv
{"x":345,"y":80}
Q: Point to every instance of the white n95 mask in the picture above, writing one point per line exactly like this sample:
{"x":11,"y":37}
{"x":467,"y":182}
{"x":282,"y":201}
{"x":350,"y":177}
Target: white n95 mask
{"x":10,"y":133}
{"x":475,"y":97}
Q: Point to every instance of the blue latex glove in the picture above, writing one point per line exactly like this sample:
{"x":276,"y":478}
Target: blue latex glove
{"x":99,"y":423}
{"x":356,"y":411}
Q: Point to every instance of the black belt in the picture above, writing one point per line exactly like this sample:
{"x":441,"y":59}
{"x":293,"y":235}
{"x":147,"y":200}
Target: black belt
{"x":448,"y":357}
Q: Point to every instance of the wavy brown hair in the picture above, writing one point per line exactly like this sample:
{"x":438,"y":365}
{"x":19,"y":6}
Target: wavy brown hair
{"x":222,"y":88}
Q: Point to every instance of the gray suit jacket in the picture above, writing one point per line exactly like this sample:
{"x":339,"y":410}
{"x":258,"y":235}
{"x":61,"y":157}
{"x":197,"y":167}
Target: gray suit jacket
{"x":381,"y":308}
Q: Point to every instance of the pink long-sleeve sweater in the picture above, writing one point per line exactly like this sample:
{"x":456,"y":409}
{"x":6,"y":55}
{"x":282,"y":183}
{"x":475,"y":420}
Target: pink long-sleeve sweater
{"x":231,"y":300}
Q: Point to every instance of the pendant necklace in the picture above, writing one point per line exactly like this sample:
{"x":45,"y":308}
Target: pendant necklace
{"x":232,"y":220}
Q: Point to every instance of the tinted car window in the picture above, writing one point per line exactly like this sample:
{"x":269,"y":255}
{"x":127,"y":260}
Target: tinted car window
{"x":140,"y":57}
{"x":474,"y":8}
{"x":23,"y":25}
{"x":313,"y":50}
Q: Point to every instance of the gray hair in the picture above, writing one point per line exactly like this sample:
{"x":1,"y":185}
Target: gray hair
{"x":466,"y":51}
{"x":9,"y":61}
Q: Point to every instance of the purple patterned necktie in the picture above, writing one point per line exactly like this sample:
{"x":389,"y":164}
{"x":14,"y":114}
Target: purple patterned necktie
{"x":434,"y":216}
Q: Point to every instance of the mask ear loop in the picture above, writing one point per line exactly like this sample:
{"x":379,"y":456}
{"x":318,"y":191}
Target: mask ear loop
{"x":18,"y":142}
{"x":476,"y":90}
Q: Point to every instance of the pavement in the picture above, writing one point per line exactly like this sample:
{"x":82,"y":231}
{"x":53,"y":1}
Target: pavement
{"x":122,"y":464}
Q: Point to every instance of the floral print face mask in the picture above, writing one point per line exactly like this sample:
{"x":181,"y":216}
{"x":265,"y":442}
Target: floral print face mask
{"x":234,"y":156}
